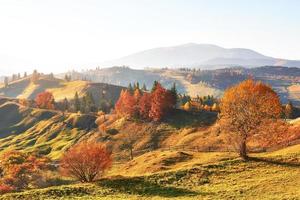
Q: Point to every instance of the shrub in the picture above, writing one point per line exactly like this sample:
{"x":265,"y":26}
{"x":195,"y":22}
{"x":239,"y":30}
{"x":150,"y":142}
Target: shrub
{"x":85,"y":161}
{"x":5,"y":188}
{"x":20,"y":170}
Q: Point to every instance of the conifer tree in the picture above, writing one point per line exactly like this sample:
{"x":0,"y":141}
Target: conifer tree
{"x":6,"y":81}
{"x":155,"y":83}
{"x":76,"y":102}
{"x":144,"y":88}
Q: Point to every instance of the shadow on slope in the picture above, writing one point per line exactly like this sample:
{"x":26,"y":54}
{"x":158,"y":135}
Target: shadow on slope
{"x":139,"y":186}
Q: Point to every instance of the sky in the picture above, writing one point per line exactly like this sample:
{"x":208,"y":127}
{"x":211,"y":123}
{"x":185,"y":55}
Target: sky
{"x":59,"y":35}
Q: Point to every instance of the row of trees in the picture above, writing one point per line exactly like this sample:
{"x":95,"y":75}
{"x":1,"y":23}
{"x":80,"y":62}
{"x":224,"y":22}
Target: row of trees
{"x":85,"y":104}
{"x":152,"y":106}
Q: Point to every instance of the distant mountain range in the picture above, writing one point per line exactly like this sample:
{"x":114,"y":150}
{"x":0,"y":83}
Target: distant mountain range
{"x":206,"y":56}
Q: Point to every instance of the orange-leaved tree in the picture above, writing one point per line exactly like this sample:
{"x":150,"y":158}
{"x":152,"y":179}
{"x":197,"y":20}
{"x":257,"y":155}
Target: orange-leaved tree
{"x":21,"y":171}
{"x":145,"y":105}
{"x":85,"y":161}
{"x":244,"y":107}
{"x":126,"y":105}
{"x":45,"y":100}
{"x":161,"y":103}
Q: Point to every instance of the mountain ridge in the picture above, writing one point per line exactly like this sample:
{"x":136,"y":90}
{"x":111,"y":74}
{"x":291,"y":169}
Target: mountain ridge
{"x":198,"y":56}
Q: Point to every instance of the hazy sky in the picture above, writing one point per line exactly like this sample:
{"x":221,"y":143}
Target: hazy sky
{"x":58,"y":35}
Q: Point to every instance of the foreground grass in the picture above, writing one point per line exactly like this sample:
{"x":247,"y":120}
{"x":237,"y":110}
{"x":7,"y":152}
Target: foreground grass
{"x":265,"y":176}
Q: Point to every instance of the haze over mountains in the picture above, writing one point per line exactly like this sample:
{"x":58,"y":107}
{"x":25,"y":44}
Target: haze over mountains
{"x":200,"y":56}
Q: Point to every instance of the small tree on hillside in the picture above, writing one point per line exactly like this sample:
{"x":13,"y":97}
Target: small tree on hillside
{"x":76,"y":102}
{"x":174,"y":94}
{"x":85,"y":161}
{"x":288,"y":110}
{"x":244,"y":107}
{"x":45,"y":100}
{"x":5,"y":81}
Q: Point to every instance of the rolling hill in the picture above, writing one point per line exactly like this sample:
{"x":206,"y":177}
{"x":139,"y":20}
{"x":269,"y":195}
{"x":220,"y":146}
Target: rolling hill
{"x":24,"y":88}
{"x":190,"y":176}
{"x":285,"y":80}
{"x":200,"y":56}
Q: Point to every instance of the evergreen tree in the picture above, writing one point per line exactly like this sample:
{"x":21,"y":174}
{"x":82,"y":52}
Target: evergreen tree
{"x":144,"y":88}
{"x":76,"y":102}
{"x":90,"y":102}
{"x":137,"y":86}
{"x":155,"y":83}
{"x":83,"y":105}
{"x":173,"y":92}
{"x":65,"y":104}
{"x":5,"y":81}
{"x":130,"y":88}
{"x":25,"y":74}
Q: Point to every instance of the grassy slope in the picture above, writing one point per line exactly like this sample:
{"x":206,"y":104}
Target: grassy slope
{"x":205,"y":176}
{"x":48,"y":132}
{"x":193,"y":90}
{"x":60,"y":89}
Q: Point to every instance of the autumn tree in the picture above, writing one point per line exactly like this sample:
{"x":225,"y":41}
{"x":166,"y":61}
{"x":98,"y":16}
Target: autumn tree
{"x":45,"y":100}
{"x":246,"y":106}
{"x":128,"y":141}
{"x":21,"y":170}
{"x":288,"y":110}
{"x":126,"y":104}
{"x":144,"y":105}
{"x":86,"y":161}
{"x":161,"y":103}
{"x":187,"y":106}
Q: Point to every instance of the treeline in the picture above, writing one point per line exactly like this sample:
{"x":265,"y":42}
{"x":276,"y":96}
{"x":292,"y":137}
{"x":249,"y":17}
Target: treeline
{"x":154,"y":105}
{"x":34,"y":77}
{"x":84,"y":104}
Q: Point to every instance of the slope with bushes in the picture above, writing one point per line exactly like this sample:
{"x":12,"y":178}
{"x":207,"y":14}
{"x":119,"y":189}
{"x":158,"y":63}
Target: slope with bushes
{"x":193,"y":176}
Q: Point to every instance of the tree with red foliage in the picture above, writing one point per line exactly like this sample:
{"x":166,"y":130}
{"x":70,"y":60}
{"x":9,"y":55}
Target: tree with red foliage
{"x":45,"y":100}
{"x":85,"y":161}
{"x":20,"y":170}
{"x":126,"y":105}
{"x":145,"y":105}
{"x":161,"y":103}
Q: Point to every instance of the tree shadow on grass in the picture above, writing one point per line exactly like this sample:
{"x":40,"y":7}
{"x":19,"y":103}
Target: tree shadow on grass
{"x":291,"y":163}
{"x":139,"y":186}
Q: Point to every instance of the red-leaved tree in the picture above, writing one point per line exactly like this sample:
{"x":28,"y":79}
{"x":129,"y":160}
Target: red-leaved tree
{"x":85,"y":161}
{"x":126,"y":105}
{"x":145,"y":105}
{"x":45,"y":100}
{"x":161,"y":103}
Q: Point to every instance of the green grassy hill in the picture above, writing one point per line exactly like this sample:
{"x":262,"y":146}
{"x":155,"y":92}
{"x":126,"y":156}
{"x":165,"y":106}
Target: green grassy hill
{"x":60,"y":89}
{"x":273,"y":175}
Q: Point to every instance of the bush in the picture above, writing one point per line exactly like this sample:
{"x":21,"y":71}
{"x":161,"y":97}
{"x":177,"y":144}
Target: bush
{"x":5,"y":188}
{"x":21,"y":171}
{"x":86,"y":161}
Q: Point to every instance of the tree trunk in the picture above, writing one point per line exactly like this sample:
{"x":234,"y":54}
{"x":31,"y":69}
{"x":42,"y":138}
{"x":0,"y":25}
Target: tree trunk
{"x":243,"y":149}
{"x":131,"y":154}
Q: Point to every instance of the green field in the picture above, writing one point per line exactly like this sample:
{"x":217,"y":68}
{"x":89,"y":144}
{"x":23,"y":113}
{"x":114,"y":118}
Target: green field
{"x":273,"y":175}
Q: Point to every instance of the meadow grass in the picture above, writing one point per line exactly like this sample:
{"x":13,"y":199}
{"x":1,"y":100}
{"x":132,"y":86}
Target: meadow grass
{"x":273,"y":175}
